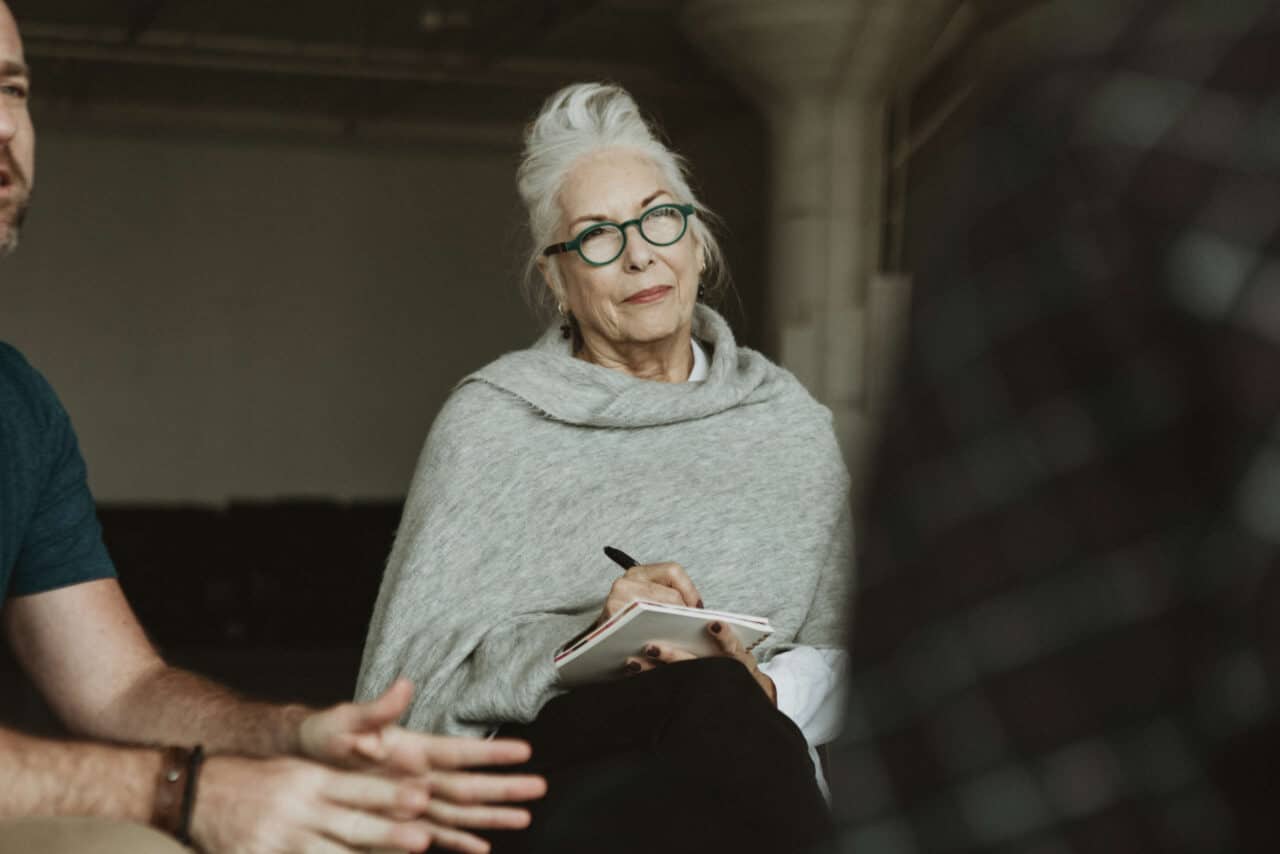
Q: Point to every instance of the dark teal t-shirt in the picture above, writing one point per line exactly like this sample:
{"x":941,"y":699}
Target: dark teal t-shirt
{"x":49,"y":532}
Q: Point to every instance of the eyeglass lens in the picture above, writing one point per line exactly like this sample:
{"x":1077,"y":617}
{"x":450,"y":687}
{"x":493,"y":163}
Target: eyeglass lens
{"x":661,"y":226}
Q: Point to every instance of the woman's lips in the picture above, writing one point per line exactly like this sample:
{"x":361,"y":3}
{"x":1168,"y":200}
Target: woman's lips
{"x":649,"y":295}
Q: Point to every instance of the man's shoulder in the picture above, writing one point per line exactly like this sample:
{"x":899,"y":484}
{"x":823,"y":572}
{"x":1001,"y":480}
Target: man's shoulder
{"x":22,"y":387}
{"x":12,"y":362}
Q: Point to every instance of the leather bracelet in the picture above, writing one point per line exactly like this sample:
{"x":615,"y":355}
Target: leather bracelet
{"x":195,"y":760}
{"x":171,"y":787}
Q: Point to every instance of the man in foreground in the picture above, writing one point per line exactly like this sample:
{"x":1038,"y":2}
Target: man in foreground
{"x":277,"y":778}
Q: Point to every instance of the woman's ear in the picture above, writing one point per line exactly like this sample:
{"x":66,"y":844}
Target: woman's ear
{"x":549,"y":279}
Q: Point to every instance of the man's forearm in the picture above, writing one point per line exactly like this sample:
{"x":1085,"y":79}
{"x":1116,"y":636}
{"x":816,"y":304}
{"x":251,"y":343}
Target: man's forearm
{"x":172,"y":706}
{"x":53,"y":778}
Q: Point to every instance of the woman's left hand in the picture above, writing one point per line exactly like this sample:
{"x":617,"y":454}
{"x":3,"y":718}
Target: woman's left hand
{"x":657,"y":654}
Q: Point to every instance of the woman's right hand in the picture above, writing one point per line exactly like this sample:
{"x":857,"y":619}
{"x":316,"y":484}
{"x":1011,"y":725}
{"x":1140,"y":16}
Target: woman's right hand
{"x":667,"y":583}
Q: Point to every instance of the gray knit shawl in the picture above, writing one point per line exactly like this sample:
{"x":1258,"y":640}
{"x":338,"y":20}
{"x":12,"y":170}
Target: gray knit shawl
{"x":538,"y":460}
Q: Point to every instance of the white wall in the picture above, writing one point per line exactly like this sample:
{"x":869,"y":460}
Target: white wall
{"x":229,"y":317}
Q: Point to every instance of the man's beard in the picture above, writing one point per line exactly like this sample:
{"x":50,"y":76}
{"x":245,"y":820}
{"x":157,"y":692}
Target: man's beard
{"x":13,"y":211}
{"x":11,"y":230}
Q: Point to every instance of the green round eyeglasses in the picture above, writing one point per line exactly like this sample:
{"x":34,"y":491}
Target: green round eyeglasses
{"x":602,"y":242}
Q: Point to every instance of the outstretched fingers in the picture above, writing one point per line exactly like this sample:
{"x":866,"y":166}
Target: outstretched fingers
{"x":451,"y":752}
{"x":352,"y":734}
{"x":481,"y":817}
{"x":458,"y":840}
{"x":317,"y":844}
{"x":381,"y":794}
{"x":461,"y":787}
{"x":363,"y":830}
{"x":383,"y":711}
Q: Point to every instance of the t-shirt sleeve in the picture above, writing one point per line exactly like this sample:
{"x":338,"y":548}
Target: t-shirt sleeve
{"x":62,"y":543}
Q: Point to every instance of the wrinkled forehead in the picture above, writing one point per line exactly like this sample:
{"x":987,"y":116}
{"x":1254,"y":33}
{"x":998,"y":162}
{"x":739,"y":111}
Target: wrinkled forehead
{"x":610,"y":183}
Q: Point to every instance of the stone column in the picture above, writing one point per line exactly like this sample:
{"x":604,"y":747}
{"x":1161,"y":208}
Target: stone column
{"x":823,"y":72}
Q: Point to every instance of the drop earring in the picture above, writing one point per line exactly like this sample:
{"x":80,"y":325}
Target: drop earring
{"x":566,"y":326}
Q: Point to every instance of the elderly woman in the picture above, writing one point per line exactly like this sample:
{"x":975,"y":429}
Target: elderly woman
{"x":638,"y":422}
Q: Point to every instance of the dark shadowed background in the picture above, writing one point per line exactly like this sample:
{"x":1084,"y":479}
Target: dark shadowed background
{"x":268,"y":238}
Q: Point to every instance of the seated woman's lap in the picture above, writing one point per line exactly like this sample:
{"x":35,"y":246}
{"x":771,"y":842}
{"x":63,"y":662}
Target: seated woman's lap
{"x":683,"y":757}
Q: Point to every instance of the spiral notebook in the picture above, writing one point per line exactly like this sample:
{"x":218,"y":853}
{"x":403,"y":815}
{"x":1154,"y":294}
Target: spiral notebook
{"x":601,"y":653}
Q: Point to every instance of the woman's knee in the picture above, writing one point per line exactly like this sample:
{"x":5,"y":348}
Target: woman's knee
{"x":719,"y":696}
{"x":718,"y":678}
{"x":722,"y":686}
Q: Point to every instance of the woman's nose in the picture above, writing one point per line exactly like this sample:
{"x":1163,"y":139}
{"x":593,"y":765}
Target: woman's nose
{"x":638,"y":254}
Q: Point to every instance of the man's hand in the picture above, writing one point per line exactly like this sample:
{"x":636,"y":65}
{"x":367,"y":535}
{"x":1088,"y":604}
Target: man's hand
{"x":460,"y":800}
{"x":366,"y":737}
{"x":273,"y":806}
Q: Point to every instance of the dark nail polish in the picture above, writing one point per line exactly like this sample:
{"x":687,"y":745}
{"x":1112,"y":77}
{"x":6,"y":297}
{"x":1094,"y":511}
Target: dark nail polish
{"x":715,"y":628}
{"x":700,"y":605}
{"x":651,"y":651}
{"x":633,"y":667}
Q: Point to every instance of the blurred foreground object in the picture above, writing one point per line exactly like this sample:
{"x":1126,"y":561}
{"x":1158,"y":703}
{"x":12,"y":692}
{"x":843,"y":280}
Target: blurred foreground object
{"x":1062,"y":640}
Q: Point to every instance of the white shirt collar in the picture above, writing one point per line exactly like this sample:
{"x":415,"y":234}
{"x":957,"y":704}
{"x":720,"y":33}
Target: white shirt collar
{"x":701,"y":364}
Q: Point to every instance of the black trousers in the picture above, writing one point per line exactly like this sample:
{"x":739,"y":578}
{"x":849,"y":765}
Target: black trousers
{"x":686,"y":757}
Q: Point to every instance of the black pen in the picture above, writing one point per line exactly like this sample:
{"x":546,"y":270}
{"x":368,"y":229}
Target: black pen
{"x":620,"y":557}
{"x":623,"y":560}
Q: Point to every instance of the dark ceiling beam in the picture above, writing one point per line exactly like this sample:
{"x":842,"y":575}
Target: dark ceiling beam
{"x":522,"y":24}
{"x":367,"y":14}
{"x":343,"y":62}
{"x":142,"y":17}
{"x":487,"y":32}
